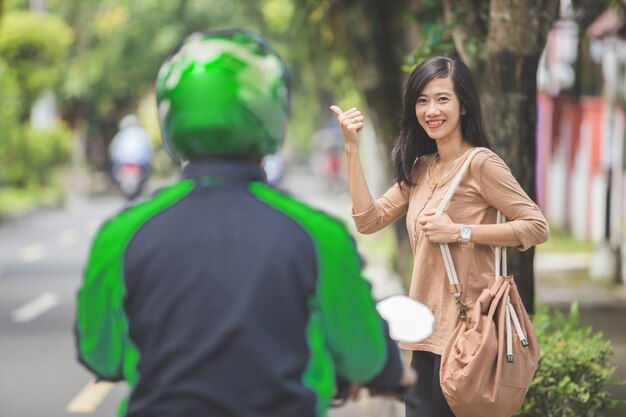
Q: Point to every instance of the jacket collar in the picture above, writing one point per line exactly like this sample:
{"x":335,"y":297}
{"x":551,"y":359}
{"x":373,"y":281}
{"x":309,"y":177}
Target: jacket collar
{"x":244,"y":171}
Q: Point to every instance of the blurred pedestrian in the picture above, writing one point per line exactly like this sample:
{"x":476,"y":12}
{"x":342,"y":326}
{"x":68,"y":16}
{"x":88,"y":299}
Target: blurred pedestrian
{"x":441,"y":123}
{"x":221,"y":296}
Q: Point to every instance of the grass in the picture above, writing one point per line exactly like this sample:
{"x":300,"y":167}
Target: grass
{"x":16,"y":200}
{"x":563,"y":242}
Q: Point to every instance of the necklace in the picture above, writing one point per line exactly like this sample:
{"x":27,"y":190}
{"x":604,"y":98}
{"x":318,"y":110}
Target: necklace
{"x":439,"y":171}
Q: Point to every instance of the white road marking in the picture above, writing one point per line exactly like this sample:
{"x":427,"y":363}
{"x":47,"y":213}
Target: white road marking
{"x":90,"y":397}
{"x":32,"y":253}
{"x":67,"y":238}
{"x":36,"y":307}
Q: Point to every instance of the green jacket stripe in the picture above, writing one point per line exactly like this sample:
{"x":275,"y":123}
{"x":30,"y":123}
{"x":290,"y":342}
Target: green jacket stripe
{"x":101,"y":326}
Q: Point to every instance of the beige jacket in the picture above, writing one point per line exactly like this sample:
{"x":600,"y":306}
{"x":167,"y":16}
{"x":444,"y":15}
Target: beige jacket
{"x":488,"y":186}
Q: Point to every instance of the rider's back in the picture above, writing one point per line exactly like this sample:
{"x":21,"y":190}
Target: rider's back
{"x":247,"y":271}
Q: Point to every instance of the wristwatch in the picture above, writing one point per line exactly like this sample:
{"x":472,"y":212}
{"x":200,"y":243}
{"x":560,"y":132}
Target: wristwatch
{"x":465,"y":233}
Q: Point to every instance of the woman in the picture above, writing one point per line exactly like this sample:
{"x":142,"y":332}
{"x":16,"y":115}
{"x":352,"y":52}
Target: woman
{"x":441,"y":122}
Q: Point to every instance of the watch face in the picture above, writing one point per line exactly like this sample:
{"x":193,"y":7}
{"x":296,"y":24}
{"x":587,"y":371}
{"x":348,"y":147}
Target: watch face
{"x":466,"y":232}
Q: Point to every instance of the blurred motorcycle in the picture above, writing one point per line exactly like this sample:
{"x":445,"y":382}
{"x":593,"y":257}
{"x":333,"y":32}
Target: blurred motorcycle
{"x":130,"y":151}
{"x":130,"y":179}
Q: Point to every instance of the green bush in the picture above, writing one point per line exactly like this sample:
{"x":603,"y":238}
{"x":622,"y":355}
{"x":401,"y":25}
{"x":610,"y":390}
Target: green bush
{"x":35,"y":47}
{"x":573,"y":373}
{"x":30,"y":158}
{"x":47,"y":151}
{"x":10,"y":128}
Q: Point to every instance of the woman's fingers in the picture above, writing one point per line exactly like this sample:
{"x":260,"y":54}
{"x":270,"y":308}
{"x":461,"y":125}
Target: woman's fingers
{"x":348,"y":115}
{"x":336,"y":110}
{"x":426,"y":216}
{"x":351,"y":117}
{"x":355,"y":126}
{"x":351,"y":122}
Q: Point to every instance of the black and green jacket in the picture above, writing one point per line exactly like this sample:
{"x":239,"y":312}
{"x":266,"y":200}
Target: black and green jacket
{"x":220,"y":296}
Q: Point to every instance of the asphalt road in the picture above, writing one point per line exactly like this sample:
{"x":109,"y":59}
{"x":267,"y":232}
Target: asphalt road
{"x":41,"y":259}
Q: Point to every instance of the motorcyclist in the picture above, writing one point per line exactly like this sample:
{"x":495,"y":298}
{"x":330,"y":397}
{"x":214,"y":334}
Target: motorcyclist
{"x":219,"y":295}
{"x":131,"y":147}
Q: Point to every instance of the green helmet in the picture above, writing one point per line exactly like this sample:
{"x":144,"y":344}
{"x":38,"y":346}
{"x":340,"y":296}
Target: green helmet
{"x":223,"y":92}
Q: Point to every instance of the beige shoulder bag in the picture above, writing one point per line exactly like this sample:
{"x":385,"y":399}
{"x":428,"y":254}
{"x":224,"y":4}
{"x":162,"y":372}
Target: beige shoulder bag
{"x":483,"y":373}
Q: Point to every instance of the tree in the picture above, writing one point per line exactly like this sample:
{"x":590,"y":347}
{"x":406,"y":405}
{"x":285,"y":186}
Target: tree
{"x":369,"y":36}
{"x":502,"y":45}
{"x":500,"y":40}
{"x":33,"y":48}
{"x":118,"y":49}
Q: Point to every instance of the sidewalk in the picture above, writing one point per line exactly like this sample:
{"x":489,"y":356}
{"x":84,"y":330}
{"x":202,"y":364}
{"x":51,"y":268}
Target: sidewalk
{"x":561,"y":278}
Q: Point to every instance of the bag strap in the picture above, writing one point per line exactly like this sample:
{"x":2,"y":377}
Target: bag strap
{"x":511,"y":317}
{"x":500,"y":254}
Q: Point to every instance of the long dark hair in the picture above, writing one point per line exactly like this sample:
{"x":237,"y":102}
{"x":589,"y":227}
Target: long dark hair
{"x":413,"y":142}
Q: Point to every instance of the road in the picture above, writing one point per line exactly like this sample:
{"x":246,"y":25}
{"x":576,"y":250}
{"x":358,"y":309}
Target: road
{"x":41,"y":258}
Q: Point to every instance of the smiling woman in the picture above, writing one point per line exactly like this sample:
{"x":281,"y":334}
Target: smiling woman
{"x":441,"y":124}
{"x":439,"y":111}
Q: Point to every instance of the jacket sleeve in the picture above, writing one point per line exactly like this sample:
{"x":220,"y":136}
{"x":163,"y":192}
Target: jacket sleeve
{"x":100,"y":321}
{"x":502,"y":191}
{"x":361,"y":348}
{"x":389,"y":377}
{"x":104,"y":344}
{"x":384,"y":211}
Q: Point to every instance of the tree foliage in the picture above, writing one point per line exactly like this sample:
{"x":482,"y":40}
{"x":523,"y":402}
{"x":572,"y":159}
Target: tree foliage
{"x":118,"y":49}
{"x":35,"y":48}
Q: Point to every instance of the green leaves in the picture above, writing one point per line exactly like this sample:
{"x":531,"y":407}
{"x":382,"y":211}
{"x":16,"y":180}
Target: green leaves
{"x":30,"y":158}
{"x":574,"y":372}
{"x":32,"y":52}
{"x":435,"y":39}
{"x":34,"y":48}
{"x":278,"y":13}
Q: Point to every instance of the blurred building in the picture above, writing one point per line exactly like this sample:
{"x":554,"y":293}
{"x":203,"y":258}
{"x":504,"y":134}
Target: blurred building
{"x":580,"y":127}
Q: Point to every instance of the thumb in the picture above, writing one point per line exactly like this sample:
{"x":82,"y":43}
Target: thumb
{"x":336,"y":110}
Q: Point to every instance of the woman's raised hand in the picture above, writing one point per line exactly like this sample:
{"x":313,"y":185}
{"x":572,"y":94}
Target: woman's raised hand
{"x":351,"y":122}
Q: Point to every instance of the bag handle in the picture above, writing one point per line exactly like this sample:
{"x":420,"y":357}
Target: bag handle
{"x":500,"y":255}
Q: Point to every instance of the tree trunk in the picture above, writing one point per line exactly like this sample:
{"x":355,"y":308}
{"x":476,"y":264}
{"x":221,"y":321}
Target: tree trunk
{"x":372,"y":34}
{"x":468,"y":37}
{"x":373,"y":37}
{"x":517,"y":35}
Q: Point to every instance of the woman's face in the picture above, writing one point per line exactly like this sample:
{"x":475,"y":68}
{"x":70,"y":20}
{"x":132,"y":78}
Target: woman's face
{"x":438,"y":111}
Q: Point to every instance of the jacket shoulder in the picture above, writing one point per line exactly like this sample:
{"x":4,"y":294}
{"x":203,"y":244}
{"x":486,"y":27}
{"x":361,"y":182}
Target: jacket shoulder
{"x":124,"y":223}
{"x":295,"y":208}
